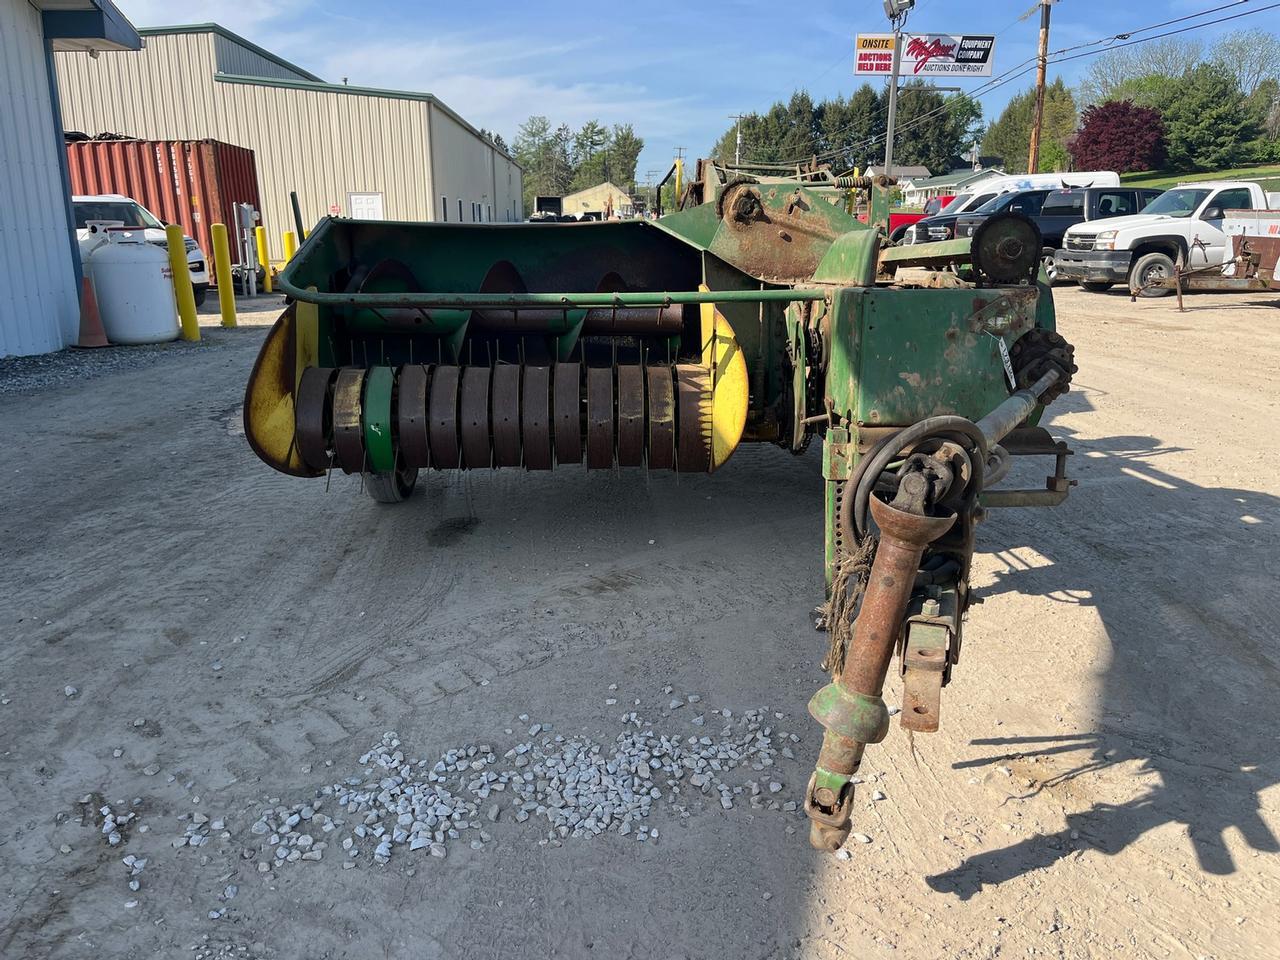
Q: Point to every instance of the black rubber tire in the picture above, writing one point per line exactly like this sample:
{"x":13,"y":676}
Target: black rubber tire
{"x":391,"y":487}
{"x":1095,"y":286}
{"x":1144,"y":269}
{"x":201,"y":294}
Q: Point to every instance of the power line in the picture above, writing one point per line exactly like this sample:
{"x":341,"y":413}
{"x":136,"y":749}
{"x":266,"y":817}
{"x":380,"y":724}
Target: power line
{"x":1057,"y":57}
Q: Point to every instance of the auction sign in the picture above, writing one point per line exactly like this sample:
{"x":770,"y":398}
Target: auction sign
{"x":925,"y":54}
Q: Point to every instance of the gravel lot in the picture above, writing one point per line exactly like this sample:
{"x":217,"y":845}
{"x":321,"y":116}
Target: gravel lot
{"x":223,"y":660}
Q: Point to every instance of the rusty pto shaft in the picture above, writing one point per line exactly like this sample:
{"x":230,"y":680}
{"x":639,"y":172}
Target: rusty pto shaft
{"x":852,"y":709}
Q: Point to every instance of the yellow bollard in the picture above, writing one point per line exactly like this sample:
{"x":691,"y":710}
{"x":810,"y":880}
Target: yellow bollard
{"x":260,"y":234}
{"x":290,"y":245}
{"x":222,"y":270}
{"x":182,"y":291}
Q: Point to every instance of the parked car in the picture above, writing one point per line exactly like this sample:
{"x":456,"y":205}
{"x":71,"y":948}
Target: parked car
{"x":898,"y":222}
{"x":943,"y":226}
{"x":1053,"y":211}
{"x":1183,"y":225}
{"x":114,"y":206}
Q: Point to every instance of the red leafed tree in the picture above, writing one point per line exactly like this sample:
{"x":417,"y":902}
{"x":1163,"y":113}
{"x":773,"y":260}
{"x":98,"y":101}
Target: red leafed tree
{"x":1119,"y":135}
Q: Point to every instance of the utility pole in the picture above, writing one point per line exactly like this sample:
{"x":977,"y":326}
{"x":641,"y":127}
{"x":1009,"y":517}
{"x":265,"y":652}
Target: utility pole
{"x":737,"y":148}
{"x":897,"y":11}
{"x":1033,"y":154}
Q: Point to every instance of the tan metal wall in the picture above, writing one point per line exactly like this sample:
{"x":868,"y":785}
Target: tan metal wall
{"x":323,"y":143}
{"x":161,"y":92}
{"x":464,"y":166}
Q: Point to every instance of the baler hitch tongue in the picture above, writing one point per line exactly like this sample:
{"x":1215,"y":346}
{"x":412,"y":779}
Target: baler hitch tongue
{"x":852,"y":708}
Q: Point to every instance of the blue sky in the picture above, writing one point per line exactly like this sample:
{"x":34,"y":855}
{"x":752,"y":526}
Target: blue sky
{"x":676,"y":71}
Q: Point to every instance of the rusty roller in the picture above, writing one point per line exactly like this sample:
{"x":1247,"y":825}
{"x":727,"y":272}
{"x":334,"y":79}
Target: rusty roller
{"x":600,"y":418}
{"x":567,"y":410}
{"x":313,"y":416}
{"x":445,"y":416}
{"x":473,"y":418}
{"x":411,"y":415}
{"x":630,"y":407}
{"x":535,"y":418}
{"x":348,"y":430}
{"x":442,"y":417}
{"x":505,"y":415}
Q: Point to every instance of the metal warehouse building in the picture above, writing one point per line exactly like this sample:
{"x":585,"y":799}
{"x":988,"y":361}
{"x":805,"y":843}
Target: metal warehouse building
{"x":39,"y":260}
{"x":349,"y":151}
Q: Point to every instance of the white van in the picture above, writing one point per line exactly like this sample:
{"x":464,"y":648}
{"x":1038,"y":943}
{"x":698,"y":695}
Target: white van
{"x":942,"y":225}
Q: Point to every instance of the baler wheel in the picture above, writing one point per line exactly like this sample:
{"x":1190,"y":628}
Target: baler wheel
{"x":394,"y":486}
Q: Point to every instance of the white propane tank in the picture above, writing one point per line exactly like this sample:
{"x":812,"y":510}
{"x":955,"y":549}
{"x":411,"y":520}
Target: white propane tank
{"x":95,"y":236}
{"x":134,"y":287}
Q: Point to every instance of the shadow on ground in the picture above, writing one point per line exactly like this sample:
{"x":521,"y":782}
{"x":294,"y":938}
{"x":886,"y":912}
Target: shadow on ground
{"x":1189,"y":668}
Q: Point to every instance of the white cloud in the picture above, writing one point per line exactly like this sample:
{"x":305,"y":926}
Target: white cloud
{"x":241,"y":16}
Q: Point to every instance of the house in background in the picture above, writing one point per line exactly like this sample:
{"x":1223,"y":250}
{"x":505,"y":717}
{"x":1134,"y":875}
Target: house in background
{"x":918,"y":192}
{"x":606,"y":199}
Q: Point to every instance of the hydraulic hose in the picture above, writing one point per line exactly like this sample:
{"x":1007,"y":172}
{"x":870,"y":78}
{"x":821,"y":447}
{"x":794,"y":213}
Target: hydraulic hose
{"x":964,"y":433}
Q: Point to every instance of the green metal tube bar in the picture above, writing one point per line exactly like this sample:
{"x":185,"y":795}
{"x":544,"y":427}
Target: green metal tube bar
{"x":925,"y":254}
{"x":569,"y":301}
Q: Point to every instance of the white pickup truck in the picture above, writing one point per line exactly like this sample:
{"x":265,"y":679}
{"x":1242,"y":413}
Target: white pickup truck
{"x":1183,"y":225}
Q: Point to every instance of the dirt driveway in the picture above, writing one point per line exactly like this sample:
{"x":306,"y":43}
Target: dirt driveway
{"x":1104,"y":785}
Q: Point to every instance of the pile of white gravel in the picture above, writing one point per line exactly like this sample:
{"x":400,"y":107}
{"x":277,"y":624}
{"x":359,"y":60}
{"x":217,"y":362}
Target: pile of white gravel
{"x":567,"y":788}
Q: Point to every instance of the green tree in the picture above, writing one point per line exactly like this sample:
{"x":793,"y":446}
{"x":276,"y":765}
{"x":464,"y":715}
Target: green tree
{"x":543,"y":152}
{"x":1009,"y":136}
{"x":848,"y":126}
{"x":1152,"y":90}
{"x":1169,"y":57}
{"x":933,"y":130}
{"x":1207,"y":124}
{"x":1251,"y":56}
{"x":624,"y":153}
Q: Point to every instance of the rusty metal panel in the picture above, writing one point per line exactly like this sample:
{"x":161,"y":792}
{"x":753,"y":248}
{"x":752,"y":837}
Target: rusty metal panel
{"x":1267,"y":249}
{"x":194,"y":183}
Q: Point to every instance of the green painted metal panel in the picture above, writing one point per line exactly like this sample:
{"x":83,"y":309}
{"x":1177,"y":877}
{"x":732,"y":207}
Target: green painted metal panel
{"x":851,"y":259}
{"x":924,"y":353}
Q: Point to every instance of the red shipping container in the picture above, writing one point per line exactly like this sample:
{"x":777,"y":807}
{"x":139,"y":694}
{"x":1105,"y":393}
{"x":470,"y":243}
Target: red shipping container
{"x":194,"y":183}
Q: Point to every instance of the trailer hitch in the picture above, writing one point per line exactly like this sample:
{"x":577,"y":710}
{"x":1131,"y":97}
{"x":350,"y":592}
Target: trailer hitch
{"x":933,"y":490}
{"x":852,"y":708}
